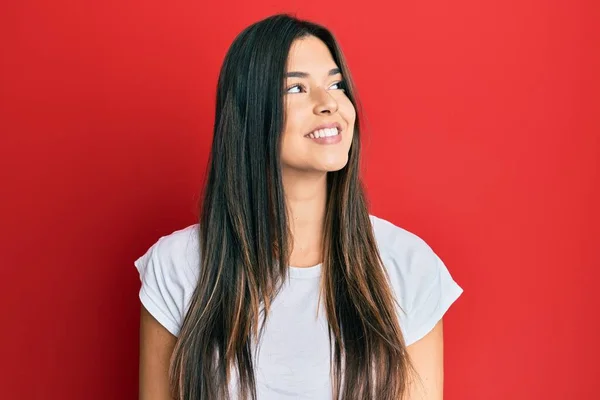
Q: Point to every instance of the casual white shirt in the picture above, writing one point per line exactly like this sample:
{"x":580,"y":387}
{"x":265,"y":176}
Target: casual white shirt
{"x":292,"y":360}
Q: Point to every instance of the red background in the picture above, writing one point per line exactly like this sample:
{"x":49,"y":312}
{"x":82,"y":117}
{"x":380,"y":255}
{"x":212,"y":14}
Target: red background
{"x":483,"y":138}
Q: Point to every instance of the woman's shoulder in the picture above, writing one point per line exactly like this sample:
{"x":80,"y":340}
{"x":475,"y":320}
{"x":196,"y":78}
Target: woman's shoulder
{"x":178,"y":250}
{"x":402,"y":249}
{"x":419,"y":279}
{"x":182,"y":242}
{"x":168,"y":270}
{"x":406,"y":256}
{"x":389,"y":234}
{"x":401,"y":246}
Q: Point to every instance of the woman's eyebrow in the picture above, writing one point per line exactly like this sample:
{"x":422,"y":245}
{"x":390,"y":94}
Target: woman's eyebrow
{"x":297,"y":74}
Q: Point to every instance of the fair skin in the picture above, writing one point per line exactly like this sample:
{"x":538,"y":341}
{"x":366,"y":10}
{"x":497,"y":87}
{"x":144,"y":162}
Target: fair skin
{"x":317,"y":99}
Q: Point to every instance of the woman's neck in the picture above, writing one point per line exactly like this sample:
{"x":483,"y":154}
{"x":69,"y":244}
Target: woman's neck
{"x":306,"y":197}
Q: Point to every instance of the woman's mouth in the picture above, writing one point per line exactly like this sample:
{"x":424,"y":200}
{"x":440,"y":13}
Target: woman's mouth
{"x":325,"y":136}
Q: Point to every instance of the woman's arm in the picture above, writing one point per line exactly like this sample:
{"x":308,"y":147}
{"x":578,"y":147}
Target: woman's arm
{"x":156,"y":347}
{"x":427,"y":356}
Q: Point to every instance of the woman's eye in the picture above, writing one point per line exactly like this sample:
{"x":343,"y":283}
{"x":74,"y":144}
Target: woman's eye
{"x":340,"y":85}
{"x":289,"y":90}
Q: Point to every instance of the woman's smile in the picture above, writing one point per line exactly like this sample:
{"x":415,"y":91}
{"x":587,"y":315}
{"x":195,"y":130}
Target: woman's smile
{"x":326,"y":136}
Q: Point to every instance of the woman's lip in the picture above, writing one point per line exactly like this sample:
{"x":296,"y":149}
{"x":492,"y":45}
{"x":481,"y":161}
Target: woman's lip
{"x":330,"y":125}
{"x":328,"y":139}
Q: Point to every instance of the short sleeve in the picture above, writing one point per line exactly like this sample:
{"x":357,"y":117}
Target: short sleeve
{"x":421,"y":283}
{"x":433,"y":292}
{"x":166,"y":279}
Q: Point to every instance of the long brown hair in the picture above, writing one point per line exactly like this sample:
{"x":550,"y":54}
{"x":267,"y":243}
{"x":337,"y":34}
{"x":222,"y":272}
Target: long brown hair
{"x":245,"y":240}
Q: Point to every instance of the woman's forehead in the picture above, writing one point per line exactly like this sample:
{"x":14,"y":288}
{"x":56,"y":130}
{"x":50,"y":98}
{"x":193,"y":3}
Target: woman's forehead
{"x":310,"y":55}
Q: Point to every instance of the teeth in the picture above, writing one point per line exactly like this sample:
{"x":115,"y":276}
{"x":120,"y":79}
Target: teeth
{"x":323,"y":133}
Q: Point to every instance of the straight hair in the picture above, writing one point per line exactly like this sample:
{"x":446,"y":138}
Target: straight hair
{"x":245,"y":240}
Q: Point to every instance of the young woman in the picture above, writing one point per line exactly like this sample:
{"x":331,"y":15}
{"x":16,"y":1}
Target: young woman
{"x":288,"y":288}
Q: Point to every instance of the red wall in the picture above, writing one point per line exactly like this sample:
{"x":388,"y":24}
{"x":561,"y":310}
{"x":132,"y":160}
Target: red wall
{"x":483,"y":139}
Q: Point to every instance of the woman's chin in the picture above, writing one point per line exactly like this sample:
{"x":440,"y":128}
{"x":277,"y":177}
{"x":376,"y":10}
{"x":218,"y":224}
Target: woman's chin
{"x":321,"y":165}
{"x":333,"y":164}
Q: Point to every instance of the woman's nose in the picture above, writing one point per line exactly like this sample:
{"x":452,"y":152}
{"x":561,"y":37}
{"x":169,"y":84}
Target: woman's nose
{"x":324,"y":101}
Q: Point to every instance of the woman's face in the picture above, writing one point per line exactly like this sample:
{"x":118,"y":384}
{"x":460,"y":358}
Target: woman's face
{"x":314,"y":96}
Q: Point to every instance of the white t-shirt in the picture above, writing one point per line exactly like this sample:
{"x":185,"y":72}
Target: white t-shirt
{"x":293,"y":358}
